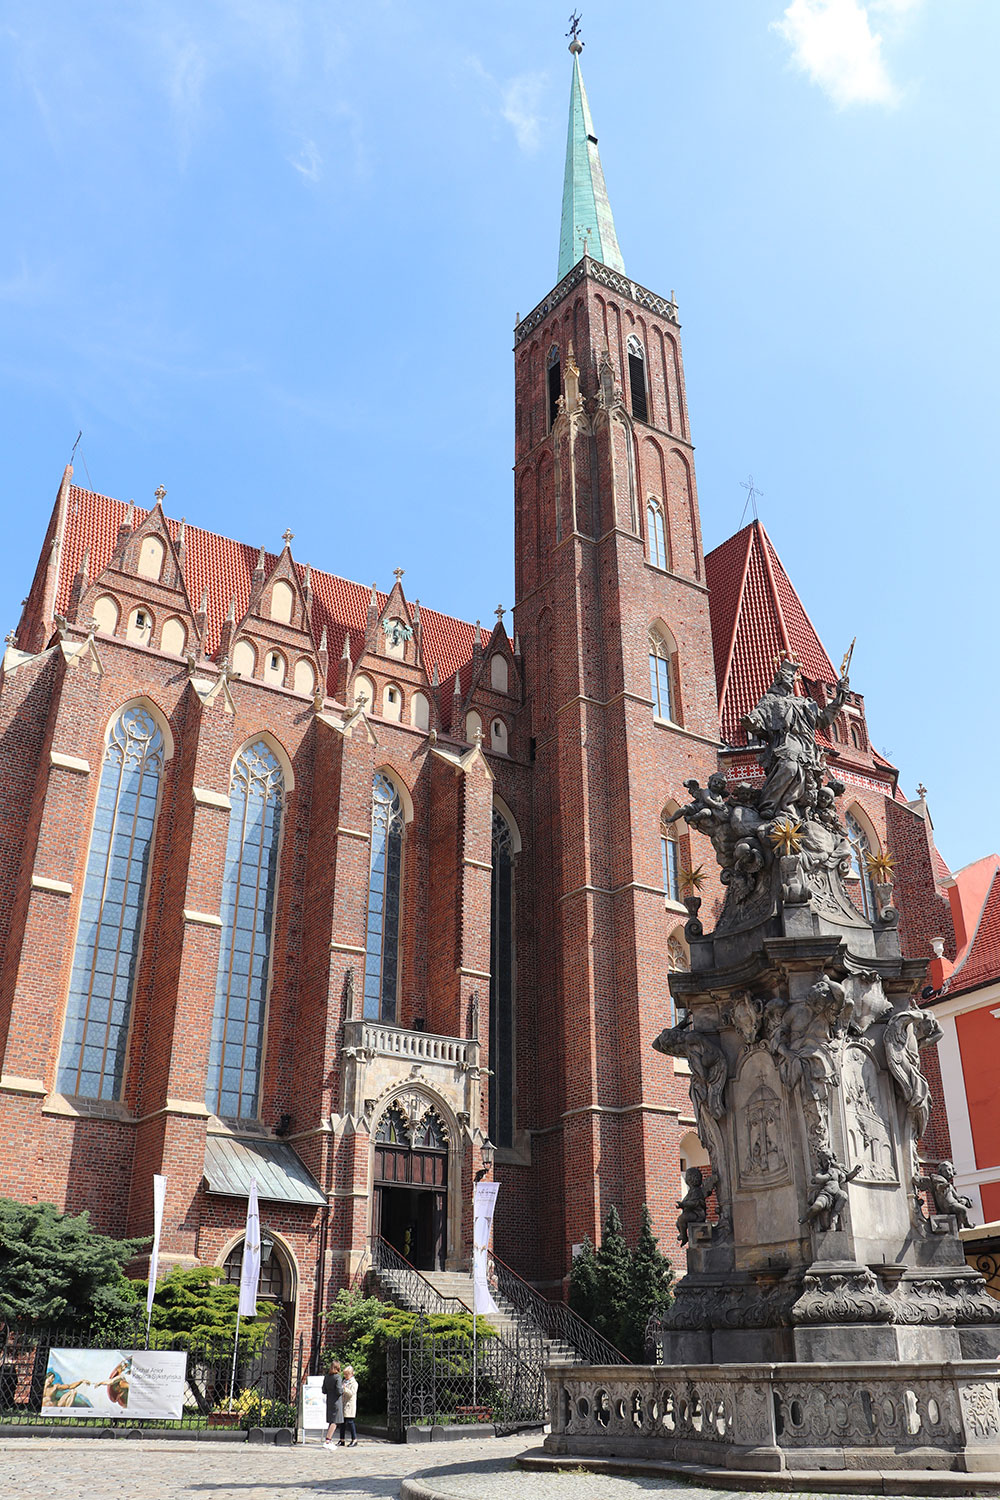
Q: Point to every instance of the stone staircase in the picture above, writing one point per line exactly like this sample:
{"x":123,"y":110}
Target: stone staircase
{"x":454,"y":1288}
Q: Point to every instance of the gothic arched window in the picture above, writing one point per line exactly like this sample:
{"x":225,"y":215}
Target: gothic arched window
{"x":429,"y":1135}
{"x":657,"y":533}
{"x":392,"y":1129}
{"x":860,"y":849}
{"x":637,"y":378}
{"x":501,"y":1115}
{"x":250,"y":878}
{"x":660,"y":675}
{"x":553,"y":382}
{"x":670,"y":849}
{"x":102,"y":983}
{"x":384,"y":888}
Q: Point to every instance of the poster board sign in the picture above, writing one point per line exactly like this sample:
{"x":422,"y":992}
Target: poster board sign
{"x":127,"y":1383}
{"x":313,"y":1408}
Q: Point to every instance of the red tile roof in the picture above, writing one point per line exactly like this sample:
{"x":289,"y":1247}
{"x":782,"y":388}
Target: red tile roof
{"x":980,"y":964}
{"x":756,"y":613}
{"x":223,"y":569}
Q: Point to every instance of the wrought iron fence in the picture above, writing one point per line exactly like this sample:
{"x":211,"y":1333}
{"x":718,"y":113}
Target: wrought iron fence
{"x":440,"y":1379}
{"x":984,"y":1254}
{"x":264,"y":1391}
{"x":554,"y":1321}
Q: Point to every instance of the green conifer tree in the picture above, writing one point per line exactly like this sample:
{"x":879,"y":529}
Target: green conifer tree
{"x":650,"y":1279}
{"x":583,"y":1297}
{"x":613,"y":1283}
{"x":55,"y":1269}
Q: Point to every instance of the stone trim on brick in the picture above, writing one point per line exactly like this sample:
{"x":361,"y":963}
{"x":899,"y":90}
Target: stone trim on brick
{"x":59,"y":887}
{"x":205,"y":797}
{"x":205,"y":918}
{"x":69,"y":762}
{"x":11,"y":1084}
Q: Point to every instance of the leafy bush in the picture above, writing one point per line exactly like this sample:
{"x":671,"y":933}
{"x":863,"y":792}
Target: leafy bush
{"x":362,"y":1326}
{"x":616,"y":1290}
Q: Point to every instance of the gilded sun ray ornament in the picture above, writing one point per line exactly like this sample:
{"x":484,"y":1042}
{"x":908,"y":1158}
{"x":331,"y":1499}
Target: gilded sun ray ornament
{"x":786,"y":835}
{"x":880,"y":867}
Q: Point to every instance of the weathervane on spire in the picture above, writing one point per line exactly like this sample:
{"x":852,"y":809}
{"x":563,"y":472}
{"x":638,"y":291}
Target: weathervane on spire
{"x":574,"y":33}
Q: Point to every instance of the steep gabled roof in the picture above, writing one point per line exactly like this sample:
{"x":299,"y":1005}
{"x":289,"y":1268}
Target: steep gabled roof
{"x":979,"y":965}
{"x":756,"y":614}
{"x":222,"y":569}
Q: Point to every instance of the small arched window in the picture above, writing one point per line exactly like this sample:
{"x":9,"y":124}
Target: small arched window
{"x":498,"y":736}
{"x":384,"y":895}
{"x":637,"y":378}
{"x":473,"y":726}
{"x":553,"y":382}
{"x":273,"y":1284}
{"x":861,"y":850}
{"x":106,"y":614}
{"x":250,"y":879}
{"x":305,"y":676}
{"x":420,"y":711}
{"x":392,"y":702}
{"x":657,"y":539}
{"x":244,"y":658}
{"x":140,"y":626}
{"x":274,"y":668}
{"x":498,"y":672}
{"x":364,"y":693}
{"x":856,"y":737}
{"x":173,"y":637}
{"x":670,"y":850}
{"x":501,"y":1112}
{"x":102,"y":983}
{"x":282,"y":599}
{"x":661,"y":673}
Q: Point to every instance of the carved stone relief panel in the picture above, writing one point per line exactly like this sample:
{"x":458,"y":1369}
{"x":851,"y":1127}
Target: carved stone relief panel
{"x":762,"y":1137}
{"x":869,"y":1139}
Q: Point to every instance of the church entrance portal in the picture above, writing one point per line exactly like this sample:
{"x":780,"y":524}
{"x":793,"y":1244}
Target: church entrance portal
{"x":411,"y":1187}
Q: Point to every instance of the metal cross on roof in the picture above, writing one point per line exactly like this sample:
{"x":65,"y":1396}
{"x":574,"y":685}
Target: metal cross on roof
{"x":160,"y":493}
{"x":753,"y":495}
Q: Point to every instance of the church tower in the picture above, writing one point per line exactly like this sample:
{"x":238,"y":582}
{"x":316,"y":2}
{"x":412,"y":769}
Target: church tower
{"x":613,"y":622}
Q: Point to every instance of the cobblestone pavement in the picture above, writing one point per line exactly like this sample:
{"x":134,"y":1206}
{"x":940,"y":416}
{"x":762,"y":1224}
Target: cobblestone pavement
{"x":126,"y":1469}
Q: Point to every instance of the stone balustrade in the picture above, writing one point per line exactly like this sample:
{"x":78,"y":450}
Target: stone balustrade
{"x":770,"y":1417}
{"x":382,"y":1040}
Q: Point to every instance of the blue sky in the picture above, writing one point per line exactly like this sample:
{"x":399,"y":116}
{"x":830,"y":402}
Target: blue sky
{"x":270,"y":253}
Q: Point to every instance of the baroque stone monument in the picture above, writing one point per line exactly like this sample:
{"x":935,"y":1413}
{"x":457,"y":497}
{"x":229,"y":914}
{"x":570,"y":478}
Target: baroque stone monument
{"x":828,"y":1317}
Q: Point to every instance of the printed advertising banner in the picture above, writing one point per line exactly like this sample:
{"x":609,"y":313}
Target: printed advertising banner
{"x":115,"y":1383}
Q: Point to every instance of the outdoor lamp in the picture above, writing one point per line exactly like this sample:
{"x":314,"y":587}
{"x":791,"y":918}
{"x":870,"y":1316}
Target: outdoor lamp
{"x":488,"y":1153}
{"x":266,"y":1245}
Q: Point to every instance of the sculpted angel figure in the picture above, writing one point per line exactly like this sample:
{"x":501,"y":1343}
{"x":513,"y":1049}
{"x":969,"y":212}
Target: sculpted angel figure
{"x":905,"y":1033}
{"x":787,"y":724}
{"x":828,"y":1199}
{"x":694,"y":1205}
{"x":707,"y":1061}
{"x":709,"y":799}
{"x":947,"y":1199}
{"x":803,"y":1032}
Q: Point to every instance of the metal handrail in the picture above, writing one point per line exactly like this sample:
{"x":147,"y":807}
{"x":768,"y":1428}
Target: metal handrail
{"x":415,"y":1286}
{"x":554,"y":1319}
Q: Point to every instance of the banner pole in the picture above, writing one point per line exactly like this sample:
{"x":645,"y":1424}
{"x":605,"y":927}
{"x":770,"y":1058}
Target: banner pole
{"x":236,"y":1345}
{"x":475,"y":1349}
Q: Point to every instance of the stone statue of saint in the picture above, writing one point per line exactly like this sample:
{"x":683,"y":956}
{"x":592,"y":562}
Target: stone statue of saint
{"x":906,"y":1032}
{"x":787,"y":724}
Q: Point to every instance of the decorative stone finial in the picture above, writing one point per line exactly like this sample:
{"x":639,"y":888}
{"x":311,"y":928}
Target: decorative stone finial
{"x":397,"y":573}
{"x":287,"y":537}
{"x":921,"y":790}
{"x":159,"y":494}
{"x":500,"y":612}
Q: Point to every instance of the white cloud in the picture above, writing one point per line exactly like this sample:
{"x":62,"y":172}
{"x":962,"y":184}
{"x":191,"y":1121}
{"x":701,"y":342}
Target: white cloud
{"x":833,"y":42}
{"x":309,"y":161}
{"x":520,"y":105}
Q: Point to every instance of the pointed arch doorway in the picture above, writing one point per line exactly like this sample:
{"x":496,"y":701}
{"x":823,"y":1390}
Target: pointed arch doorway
{"x":410,"y":1183}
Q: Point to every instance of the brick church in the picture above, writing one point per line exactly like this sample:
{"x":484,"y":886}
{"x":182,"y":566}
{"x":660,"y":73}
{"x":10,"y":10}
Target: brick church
{"x":304,"y":880}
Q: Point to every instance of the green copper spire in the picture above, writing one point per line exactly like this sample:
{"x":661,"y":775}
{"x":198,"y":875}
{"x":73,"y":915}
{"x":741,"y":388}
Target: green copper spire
{"x":587,"y":221}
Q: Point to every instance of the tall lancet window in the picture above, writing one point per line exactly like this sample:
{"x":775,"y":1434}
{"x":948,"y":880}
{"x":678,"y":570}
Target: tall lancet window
{"x":637,"y":378}
{"x":384,"y":887}
{"x":102,"y":984}
{"x":553,"y":382}
{"x":661,"y":685}
{"x":250,"y":880}
{"x":860,"y":849}
{"x":657,"y":533}
{"x":501,"y":1115}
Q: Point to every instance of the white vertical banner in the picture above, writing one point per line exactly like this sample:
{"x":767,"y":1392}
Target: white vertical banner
{"x":484,"y":1201}
{"x":159,"y":1197}
{"x":250,"y":1272}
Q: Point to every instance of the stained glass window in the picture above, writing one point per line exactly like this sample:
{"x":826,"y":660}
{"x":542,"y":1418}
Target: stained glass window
{"x":249,"y":883}
{"x":102,"y":983}
{"x":670,"y":850}
{"x":384,"y":882}
{"x":501,"y":1113}
{"x":660,"y":686}
{"x":860,"y":847}
{"x":657,"y":539}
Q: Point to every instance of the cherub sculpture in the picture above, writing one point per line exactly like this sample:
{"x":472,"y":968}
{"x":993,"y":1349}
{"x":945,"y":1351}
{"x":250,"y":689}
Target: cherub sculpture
{"x":694,"y":1205}
{"x":947,"y":1200}
{"x":828,"y":1200}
